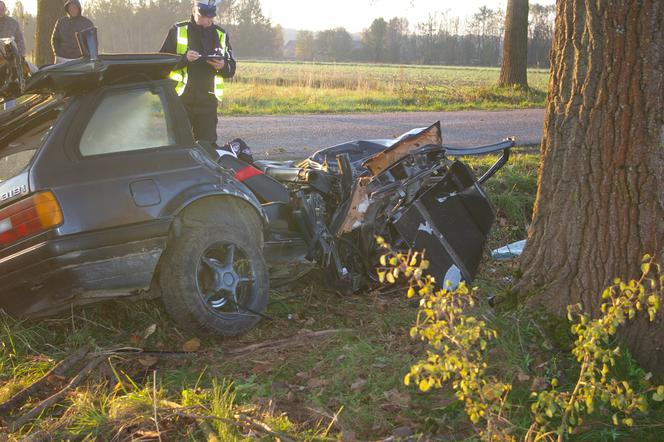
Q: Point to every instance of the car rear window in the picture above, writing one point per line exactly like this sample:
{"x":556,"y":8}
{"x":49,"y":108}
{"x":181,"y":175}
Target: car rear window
{"x":17,"y":152}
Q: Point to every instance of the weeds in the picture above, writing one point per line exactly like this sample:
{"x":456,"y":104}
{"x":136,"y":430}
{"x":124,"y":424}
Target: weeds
{"x":558,"y":412}
{"x":291,"y":88}
{"x":457,"y":354}
{"x":456,"y":343}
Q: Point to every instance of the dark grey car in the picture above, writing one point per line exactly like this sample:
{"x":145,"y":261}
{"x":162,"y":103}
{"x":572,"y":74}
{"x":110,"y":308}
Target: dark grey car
{"x":104,"y":193}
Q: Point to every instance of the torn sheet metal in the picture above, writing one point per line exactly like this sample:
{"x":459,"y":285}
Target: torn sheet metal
{"x":359,"y":205}
{"x":383,"y":160}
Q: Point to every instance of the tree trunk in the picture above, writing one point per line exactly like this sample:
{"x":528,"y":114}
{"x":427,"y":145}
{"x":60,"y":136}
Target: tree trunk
{"x":513,"y":71}
{"x":48,"y":12}
{"x":600,"y":200}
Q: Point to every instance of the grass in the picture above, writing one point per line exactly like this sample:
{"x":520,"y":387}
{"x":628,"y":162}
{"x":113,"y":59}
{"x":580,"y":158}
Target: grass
{"x":346,"y":386}
{"x":261,"y":88}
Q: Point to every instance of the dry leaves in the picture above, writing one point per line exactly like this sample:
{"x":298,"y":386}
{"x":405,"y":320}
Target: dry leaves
{"x":538,"y":383}
{"x":191,"y":345}
{"x":348,"y":436}
{"x":303,"y":375}
{"x":149,"y":331}
{"x":522,"y":377}
{"x":400,"y":398}
{"x":358,"y":384}
{"x":148,"y":361}
{"x":316,"y":383}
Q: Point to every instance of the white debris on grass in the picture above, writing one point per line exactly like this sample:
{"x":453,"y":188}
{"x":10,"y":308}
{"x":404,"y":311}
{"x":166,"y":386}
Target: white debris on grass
{"x":509,"y":251}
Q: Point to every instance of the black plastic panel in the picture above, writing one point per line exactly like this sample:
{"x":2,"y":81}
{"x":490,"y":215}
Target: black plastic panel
{"x":450,"y":227}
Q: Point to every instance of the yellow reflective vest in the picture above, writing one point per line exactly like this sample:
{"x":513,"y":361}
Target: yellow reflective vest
{"x":180,"y":75}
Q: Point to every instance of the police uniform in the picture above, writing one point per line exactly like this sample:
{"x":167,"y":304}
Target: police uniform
{"x":199,"y":85}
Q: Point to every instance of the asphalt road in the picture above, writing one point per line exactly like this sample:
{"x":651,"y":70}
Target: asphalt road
{"x":288,"y":137}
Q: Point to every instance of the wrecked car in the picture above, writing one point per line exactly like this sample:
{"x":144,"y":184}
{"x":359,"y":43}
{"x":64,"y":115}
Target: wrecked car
{"x":105,"y":194}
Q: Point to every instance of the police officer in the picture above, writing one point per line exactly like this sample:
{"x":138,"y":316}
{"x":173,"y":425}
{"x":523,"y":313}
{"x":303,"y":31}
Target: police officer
{"x":207,"y":58}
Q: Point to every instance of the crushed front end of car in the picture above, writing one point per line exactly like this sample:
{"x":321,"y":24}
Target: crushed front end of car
{"x":415,"y":194}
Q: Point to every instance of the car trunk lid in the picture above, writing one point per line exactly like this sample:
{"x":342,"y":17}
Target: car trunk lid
{"x":15,"y":187}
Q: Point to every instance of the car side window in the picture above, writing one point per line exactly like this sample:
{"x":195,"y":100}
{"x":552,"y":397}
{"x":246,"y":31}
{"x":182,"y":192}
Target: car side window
{"x":125,"y":121}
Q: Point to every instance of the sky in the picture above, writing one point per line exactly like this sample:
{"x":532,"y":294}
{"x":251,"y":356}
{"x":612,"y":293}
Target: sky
{"x":354,"y":15}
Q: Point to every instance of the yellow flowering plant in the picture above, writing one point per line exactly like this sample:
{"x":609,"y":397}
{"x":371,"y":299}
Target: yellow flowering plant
{"x":557,"y":412}
{"x":457,"y":345}
{"x":457,"y":342}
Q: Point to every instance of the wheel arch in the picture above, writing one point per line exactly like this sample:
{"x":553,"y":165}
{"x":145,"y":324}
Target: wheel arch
{"x":211,"y":206}
{"x":204,"y":201}
{"x":230,"y":191}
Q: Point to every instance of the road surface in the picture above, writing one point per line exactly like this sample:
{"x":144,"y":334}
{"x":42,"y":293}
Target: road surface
{"x":297,"y":136}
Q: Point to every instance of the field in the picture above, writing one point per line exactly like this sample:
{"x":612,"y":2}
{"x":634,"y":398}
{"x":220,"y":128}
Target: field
{"x":287,"y":88}
{"x":346,"y":385}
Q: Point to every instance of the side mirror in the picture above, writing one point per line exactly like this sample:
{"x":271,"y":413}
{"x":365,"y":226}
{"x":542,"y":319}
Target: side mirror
{"x":88,"y":43}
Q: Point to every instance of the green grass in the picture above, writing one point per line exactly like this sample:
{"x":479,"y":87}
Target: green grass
{"x":348,"y":384}
{"x":291,"y":88}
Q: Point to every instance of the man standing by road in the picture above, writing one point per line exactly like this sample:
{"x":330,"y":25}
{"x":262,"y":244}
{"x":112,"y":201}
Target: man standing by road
{"x":63,"y":40}
{"x":207,"y":58}
{"x":9,"y":28}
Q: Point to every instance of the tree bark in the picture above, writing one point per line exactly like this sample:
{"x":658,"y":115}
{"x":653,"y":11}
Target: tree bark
{"x":513,"y":71}
{"x":600,"y":200}
{"x":48,"y":12}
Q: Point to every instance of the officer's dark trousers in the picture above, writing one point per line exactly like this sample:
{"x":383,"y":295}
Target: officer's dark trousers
{"x":203,"y":122}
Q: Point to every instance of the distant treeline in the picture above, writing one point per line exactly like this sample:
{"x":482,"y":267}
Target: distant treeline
{"x":141,"y":25}
{"x":437,"y":41}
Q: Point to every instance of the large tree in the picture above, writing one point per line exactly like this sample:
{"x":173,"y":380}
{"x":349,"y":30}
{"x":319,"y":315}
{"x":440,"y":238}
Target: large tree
{"x":48,"y":12}
{"x":600,"y":202}
{"x":513,"y":71}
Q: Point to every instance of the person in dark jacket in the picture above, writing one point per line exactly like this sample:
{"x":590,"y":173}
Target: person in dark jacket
{"x":63,"y":40}
{"x":207,"y":59}
{"x":9,"y":28}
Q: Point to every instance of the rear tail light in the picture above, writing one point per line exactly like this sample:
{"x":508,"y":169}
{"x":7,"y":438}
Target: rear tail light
{"x":32,"y":215}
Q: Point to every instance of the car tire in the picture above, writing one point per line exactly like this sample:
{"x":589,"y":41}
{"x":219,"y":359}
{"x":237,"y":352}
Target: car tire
{"x":213,"y":276}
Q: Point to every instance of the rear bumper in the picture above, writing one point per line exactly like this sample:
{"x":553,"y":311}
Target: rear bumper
{"x":97,"y":265}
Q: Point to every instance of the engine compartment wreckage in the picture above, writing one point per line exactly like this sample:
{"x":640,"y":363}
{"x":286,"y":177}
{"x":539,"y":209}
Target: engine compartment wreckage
{"x":91,"y":211}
